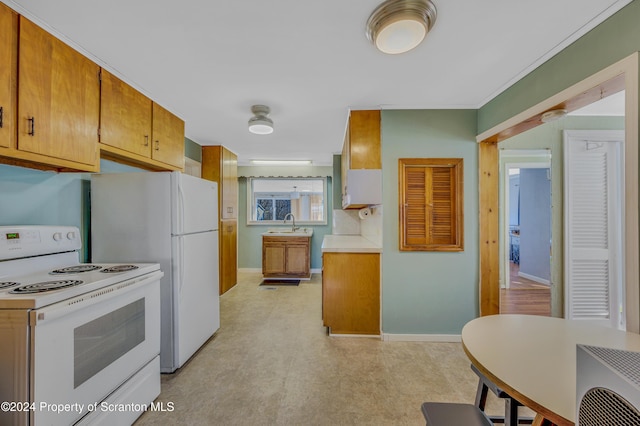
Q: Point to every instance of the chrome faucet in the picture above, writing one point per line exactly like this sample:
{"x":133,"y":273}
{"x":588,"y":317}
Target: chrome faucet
{"x":293,"y":220}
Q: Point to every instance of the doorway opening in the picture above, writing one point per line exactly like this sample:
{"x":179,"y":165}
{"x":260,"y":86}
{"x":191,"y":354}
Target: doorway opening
{"x":526,"y":232}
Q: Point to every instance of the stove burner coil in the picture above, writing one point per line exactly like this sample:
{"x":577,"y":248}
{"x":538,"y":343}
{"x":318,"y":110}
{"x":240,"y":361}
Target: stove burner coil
{"x":45,"y":286}
{"x":7,"y":284}
{"x":119,"y":268}
{"x":75,"y":269}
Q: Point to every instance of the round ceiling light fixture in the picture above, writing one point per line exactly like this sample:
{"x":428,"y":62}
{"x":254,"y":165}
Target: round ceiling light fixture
{"x":260,"y":124}
{"x":397,"y":26}
{"x":553,"y":115}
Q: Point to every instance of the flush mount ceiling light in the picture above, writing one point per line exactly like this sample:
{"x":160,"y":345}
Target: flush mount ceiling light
{"x":260,"y":124}
{"x":553,"y":115}
{"x":397,"y":26}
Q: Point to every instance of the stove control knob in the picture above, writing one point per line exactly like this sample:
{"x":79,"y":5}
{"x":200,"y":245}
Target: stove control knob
{"x":71,"y":235}
{"x":57,"y":236}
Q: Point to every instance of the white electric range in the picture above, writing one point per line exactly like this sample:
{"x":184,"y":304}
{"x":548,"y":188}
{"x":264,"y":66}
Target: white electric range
{"x":78,"y":339}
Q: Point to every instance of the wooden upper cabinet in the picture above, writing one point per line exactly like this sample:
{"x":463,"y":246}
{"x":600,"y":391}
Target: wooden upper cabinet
{"x":431,"y":199}
{"x":221,"y":165}
{"x":361,"y":150}
{"x":230,"y":185}
{"x":134,"y":129}
{"x":168,"y":137}
{"x":363,"y":143}
{"x":59,"y":93}
{"x":125,"y":116}
{"x":8,"y":75}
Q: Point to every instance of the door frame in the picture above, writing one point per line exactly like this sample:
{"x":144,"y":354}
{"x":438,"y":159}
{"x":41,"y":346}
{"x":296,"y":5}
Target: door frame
{"x":622,"y":75}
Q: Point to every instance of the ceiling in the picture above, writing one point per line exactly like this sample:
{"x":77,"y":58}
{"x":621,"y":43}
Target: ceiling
{"x":209,"y":61}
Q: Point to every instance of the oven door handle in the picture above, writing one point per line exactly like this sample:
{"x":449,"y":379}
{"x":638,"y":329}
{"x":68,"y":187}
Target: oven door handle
{"x":65,"y":307}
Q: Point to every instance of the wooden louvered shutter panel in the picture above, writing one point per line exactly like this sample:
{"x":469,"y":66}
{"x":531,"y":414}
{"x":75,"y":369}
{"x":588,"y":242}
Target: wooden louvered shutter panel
{"x":430,"y":204}
{"x":443,"y":206}
{"x":416,"y":219}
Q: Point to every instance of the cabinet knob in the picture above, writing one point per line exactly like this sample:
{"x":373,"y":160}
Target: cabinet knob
{"x":146,"y":140}
{"x":157,"y":145}
{"x":1,"y":116}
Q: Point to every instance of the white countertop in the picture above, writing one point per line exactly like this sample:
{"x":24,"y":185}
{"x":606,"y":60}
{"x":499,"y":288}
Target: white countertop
{"x":288,"y":232}
{"x":349,"y":244}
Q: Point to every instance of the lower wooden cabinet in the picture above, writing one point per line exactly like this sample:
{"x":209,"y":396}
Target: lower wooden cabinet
{"x":351,"y":292}
{"x":286,"y":257}
{"x":228,"y":254}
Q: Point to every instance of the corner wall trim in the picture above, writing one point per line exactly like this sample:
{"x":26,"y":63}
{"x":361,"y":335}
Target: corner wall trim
{"x":451,"y":338}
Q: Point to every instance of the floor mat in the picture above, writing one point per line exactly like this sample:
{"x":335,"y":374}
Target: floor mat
{"x":280,"y":282}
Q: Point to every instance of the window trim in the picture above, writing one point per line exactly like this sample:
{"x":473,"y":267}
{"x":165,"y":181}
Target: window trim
{"x":456,"y":164}
{"x":251,"y":202}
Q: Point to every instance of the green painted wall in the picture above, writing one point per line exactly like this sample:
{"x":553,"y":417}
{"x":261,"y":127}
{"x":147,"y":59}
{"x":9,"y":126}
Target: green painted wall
{"x":611,"y":41}
{"x":337,"y":180}
{"x":192,"y":150}
{"x":429,"y":292}
{"x":36,"y":197}
{"x":549,"y":136}
{"x":250,"y":236}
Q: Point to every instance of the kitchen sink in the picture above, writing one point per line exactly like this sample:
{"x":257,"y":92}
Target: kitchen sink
{"x":288,"y":232}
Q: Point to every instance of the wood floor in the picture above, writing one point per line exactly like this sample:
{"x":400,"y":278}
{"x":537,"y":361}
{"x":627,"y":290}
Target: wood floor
{"x":525,"y":296}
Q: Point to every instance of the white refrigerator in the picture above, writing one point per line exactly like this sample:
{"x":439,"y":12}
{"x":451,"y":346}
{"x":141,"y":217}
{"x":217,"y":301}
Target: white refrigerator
{"x":172,"y":219}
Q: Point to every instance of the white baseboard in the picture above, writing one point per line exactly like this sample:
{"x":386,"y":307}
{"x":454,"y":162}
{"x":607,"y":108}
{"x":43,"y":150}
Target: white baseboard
{"x":368,"y":336}
{"x":452,"y":338}
{"x":534,"y":278}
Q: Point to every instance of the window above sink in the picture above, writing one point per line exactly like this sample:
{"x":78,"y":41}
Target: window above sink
{"x":269,"y":200}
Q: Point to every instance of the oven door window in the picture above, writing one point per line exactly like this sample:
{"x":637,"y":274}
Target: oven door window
{"x":103,"y":340}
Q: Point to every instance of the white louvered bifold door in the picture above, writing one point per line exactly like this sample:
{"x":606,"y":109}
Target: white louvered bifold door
{"x":593,"y":221}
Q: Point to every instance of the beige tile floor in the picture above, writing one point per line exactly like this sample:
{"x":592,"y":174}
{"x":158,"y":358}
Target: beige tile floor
{"x":272,"y":363}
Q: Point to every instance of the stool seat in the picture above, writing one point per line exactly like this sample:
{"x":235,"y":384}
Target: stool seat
{"x":450,"y":414}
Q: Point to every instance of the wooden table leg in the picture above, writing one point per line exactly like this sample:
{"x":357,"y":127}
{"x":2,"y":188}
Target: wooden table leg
{"x":541,"y":421}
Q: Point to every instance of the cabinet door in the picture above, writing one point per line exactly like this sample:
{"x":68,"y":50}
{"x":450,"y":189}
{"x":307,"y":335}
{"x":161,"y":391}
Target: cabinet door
{"x":59,"y":94}
{"x":8,"y":74}
{"x":228,"y":254}
{"x":125,"y":116}
{"x":297,"y":260}
{"x":364,"y":140}
{"x":229,"y":189}
{"x":351,"y":292}
{"x":168,"y":137}
{"x":273,"y":259}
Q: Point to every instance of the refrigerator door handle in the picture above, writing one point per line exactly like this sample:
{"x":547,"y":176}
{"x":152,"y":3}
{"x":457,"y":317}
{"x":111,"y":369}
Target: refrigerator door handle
{"x":180,"y":212}
{"x":181,"y":262}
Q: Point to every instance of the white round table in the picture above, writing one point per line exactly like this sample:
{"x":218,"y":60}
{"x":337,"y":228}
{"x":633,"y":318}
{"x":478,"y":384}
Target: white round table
{"x":533,"y":358}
